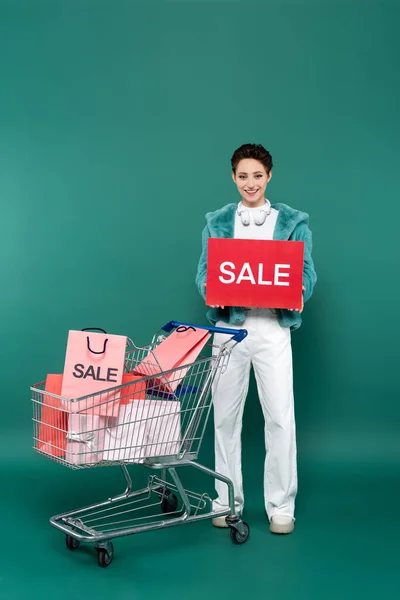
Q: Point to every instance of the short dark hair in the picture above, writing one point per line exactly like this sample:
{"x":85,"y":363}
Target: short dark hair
{"x":255,"y":151}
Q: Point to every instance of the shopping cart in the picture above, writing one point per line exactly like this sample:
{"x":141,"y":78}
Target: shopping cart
{"x":164,"y":417}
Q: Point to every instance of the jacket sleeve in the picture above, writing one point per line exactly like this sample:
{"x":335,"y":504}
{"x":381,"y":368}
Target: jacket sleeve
{"x":302,"y":233}
{"x":202,"y":266}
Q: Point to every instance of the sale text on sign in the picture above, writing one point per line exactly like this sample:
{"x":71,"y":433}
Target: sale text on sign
{"x":254,"y":273}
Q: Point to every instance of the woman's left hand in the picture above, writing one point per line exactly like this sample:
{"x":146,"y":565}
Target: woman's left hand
{"x":213,"y":305}
{"x":302,"y":304}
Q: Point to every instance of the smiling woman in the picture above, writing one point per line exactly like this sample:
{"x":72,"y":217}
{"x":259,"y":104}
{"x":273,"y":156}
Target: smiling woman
{"x":252,"y":175}
{"x":267,"y":347}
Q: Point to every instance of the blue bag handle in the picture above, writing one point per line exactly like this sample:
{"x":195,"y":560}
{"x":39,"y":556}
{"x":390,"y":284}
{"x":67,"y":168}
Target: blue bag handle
{"x":238,"y":335}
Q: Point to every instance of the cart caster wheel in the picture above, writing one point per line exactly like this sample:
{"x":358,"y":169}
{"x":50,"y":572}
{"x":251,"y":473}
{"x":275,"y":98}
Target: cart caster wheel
{"x":240,"y":537}
{"x":105,"y":556}
{"x":71,"y":543}
{"x":169,"y":503}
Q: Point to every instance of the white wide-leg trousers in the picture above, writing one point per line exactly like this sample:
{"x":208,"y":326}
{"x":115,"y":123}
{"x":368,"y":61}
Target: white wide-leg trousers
{"x":268,"y":349}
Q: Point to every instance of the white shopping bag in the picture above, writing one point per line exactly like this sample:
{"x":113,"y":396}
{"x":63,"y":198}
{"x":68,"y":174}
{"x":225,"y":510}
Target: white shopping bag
{"x":85,"y":439}
{"x":127,"y":440}
{"x":163,"y":428}
{"x":145,"y":429}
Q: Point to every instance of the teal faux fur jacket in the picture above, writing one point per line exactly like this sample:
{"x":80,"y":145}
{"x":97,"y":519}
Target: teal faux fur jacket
{"x":291,"y":225}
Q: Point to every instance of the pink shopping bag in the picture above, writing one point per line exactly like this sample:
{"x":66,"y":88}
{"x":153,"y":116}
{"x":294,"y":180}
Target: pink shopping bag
{"x":53,"y":420}
{"x":179,"y":349}
{"x":135,"y":391}
{"x":94,"y":362}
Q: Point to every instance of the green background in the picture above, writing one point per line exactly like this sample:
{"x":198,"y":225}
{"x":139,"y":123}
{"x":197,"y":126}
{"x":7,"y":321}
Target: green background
{"x":117,"y":123}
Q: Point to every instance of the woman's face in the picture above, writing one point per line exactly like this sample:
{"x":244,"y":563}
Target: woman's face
{"x":251,"y":179}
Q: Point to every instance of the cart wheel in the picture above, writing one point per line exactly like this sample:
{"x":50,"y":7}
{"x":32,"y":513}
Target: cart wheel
{"x":72,"y":543}
{"x":240,"y":538}
{"x":169,"y":503}
{"x":104,"y":556}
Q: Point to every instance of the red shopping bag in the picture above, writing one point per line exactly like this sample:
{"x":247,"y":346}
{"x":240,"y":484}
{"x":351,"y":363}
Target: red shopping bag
{"x":53,"y":421}
{"x":94,"y":362}
{"x":136,"y":391}
{"x":179,"y":349}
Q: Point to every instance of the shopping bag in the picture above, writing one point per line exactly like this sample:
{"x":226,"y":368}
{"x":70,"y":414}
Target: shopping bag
{"x":163,"y":428}
{"x":85,"y":438}
{"x":53,"y":420}
{"x":179,"y":349}
{"x":135,"y":391}
{"x":145,"y":429}
{"x":94,"y":362}
{"x":127,"y":439}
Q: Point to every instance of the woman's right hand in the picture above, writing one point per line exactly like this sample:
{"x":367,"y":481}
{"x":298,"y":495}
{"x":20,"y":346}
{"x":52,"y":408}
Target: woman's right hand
{"x":212,"y":305}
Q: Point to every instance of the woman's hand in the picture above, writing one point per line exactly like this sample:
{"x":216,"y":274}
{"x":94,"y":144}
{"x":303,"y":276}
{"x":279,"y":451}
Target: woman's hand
{"x":211,"y":305}
{"x":302,"y":304}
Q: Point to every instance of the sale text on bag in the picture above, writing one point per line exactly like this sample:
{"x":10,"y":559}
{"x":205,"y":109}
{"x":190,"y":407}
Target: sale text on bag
{"x":80,"y":371}
{"x":254,"y":273}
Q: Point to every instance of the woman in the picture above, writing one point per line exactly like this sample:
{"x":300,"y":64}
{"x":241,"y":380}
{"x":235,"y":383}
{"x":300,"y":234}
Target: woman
{"x":267,"y":347}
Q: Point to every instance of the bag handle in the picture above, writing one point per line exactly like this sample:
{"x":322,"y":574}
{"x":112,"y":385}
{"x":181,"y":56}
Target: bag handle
{"x":88,"y":340}
{"x":183,"y":328}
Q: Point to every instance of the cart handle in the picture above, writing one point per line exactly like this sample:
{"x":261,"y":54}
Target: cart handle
{"x":238,"y":335}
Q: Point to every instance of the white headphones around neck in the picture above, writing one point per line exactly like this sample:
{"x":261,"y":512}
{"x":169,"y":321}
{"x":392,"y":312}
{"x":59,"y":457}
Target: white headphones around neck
{"x":259,"y":217}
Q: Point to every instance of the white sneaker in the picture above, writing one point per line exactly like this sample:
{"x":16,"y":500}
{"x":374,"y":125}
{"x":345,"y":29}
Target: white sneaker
{"x":220,"y":522}
{"x":281,"y":525}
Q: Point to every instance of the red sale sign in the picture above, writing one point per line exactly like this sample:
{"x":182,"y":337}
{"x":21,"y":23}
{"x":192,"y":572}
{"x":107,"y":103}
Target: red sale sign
{"x":254,"y":273}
